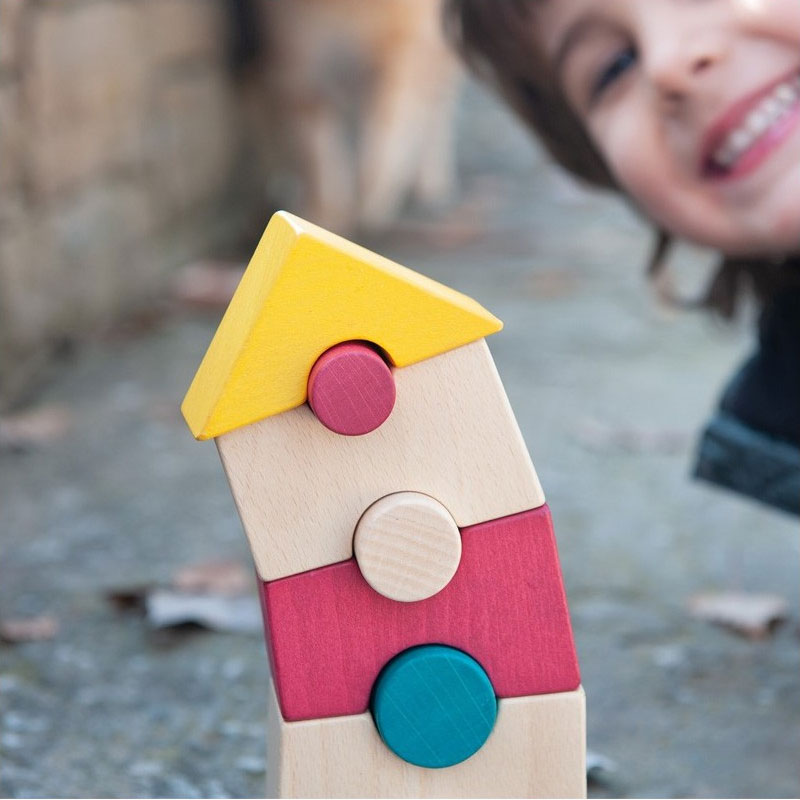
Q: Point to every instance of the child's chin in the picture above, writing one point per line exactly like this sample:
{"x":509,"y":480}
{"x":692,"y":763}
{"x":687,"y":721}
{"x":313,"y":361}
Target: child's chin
{"x":782,"y":234}
{"x":770,"y":242}
{"x":772,"y":228}
{"x":788,"y":229}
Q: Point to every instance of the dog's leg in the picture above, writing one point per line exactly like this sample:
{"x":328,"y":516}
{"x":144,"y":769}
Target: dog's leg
{"x":326,"y":166}
{"x":436,"y":178}
{"x":392,"y":131}
{"x":311,"y":128}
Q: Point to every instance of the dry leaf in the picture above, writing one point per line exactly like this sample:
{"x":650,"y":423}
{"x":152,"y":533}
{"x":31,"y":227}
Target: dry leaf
{"x":207,"y":284}
{"x":218,"y":595}
{"x":240,"y":614}
{"x":28,"y":629}
{"x":129,"y":599}
{"x":751,"y":615}
{"x":35,"y":427}
{"x":214,"y":577}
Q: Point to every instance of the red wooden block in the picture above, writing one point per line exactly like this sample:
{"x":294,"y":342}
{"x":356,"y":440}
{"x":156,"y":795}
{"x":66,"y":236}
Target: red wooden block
{"x":329,"y":633}
{"x":351,"y":389}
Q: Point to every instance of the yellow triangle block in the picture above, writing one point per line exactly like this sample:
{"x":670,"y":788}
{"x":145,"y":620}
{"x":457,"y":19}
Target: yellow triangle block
{"x":304,"y":291}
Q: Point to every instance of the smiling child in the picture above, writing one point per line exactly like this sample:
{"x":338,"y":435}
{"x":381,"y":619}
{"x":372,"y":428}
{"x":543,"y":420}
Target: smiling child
{"x":691,"y":108}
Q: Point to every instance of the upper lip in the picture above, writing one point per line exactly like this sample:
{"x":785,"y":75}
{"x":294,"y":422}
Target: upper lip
{"x":733,"y":117}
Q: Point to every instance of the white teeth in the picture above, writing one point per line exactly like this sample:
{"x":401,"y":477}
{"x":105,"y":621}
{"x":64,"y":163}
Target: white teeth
{"x":758,"y":121}
{"x":741,"y":139}
{"x":785,"y":93}
{"x":725,"y":157}
{"x":772,"y":107}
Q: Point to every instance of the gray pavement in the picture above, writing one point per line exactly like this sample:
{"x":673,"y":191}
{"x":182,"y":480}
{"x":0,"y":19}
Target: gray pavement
{"x":609,"y":389}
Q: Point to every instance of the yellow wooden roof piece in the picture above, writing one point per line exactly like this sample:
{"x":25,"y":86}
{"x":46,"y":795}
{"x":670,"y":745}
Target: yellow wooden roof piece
{"x":304,"y":291}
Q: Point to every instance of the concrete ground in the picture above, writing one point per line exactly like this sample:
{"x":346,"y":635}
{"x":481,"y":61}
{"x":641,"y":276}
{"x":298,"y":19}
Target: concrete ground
{"x":609,"y":389}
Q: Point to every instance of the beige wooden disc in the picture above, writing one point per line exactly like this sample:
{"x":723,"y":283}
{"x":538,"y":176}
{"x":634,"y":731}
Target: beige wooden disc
{"x":407,"y":546}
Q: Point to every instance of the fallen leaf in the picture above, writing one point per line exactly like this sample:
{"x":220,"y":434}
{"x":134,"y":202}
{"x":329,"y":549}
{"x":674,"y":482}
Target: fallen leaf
{"x":36,"y":427}
{"x":129,"y":599}
{"x":751,"y":615}
{"x":596,"y":435}
{"x":214,"y":577}
{"x":207,"y":284}
{"x":240,"y":614}
{"x":28,"y":629}
{"x":216,"y":595}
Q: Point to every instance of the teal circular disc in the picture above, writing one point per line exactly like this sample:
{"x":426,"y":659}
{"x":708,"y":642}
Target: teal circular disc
{"x":434,"y":706}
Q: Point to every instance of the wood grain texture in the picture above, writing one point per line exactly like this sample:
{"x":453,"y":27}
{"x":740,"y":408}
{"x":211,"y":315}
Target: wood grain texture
{"x":351,"y":389}
{"x":537,"y":749}
{"x":304,"y":291}
{"x":329,"y":633}
{"x":434,"y":706}
{"x":407,"y":546}
{"x":300,"y":489}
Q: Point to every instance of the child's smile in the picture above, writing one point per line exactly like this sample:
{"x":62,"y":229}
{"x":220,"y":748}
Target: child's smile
{"x":695,"y":106}
{"x":752,"y":129}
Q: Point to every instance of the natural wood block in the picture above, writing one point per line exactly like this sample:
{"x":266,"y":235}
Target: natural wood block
{"x":536,"y":749}
{"x":300,"y":489}
{"x":351,"y":389}
{"x":304,"y":291}
{"x":407,"y":546}
{"x":329,"y":633}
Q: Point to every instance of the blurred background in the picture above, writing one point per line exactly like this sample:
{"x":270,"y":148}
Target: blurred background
{"x":143,"y":146}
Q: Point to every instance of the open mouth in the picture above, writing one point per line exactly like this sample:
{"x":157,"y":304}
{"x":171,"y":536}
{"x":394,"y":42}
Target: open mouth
{"x":750,"y":131}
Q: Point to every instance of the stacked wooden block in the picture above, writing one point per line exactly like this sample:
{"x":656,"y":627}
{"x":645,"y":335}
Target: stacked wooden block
{"x":415,"y":616}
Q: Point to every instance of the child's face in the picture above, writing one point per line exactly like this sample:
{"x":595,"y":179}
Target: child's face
{"x":695,"y":105}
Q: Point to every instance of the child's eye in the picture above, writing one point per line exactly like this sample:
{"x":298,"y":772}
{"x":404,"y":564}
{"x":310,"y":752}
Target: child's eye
{"x":621,"y":61}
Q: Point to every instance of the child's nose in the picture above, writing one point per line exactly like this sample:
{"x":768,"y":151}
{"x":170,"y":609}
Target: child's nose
{"x":677,"y":58}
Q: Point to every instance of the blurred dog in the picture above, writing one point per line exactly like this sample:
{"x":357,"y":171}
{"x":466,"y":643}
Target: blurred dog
{"x":362,"y":96}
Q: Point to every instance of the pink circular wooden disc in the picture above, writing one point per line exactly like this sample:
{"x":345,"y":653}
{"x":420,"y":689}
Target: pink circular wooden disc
{"x":351,"y":389}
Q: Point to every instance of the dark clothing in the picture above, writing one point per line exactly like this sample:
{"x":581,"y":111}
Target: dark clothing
{"x":752,"y":445}
{"x":736,"y":457}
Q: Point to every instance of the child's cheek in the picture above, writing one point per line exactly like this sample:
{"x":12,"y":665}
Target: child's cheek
{"x":652,"y":176}
{"x":778,"y":19}
{"x":631,"y":149}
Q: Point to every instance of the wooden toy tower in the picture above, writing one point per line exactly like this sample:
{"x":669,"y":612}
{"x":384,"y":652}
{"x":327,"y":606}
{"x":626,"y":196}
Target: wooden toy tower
{"x":415,"y":616}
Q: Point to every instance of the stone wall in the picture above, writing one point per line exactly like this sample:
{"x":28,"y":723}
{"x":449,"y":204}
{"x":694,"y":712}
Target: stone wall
{"x":117,"y":139}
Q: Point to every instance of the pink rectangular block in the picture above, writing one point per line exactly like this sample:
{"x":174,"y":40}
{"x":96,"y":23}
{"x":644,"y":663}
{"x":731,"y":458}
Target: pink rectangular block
{"x":329,"y":633}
